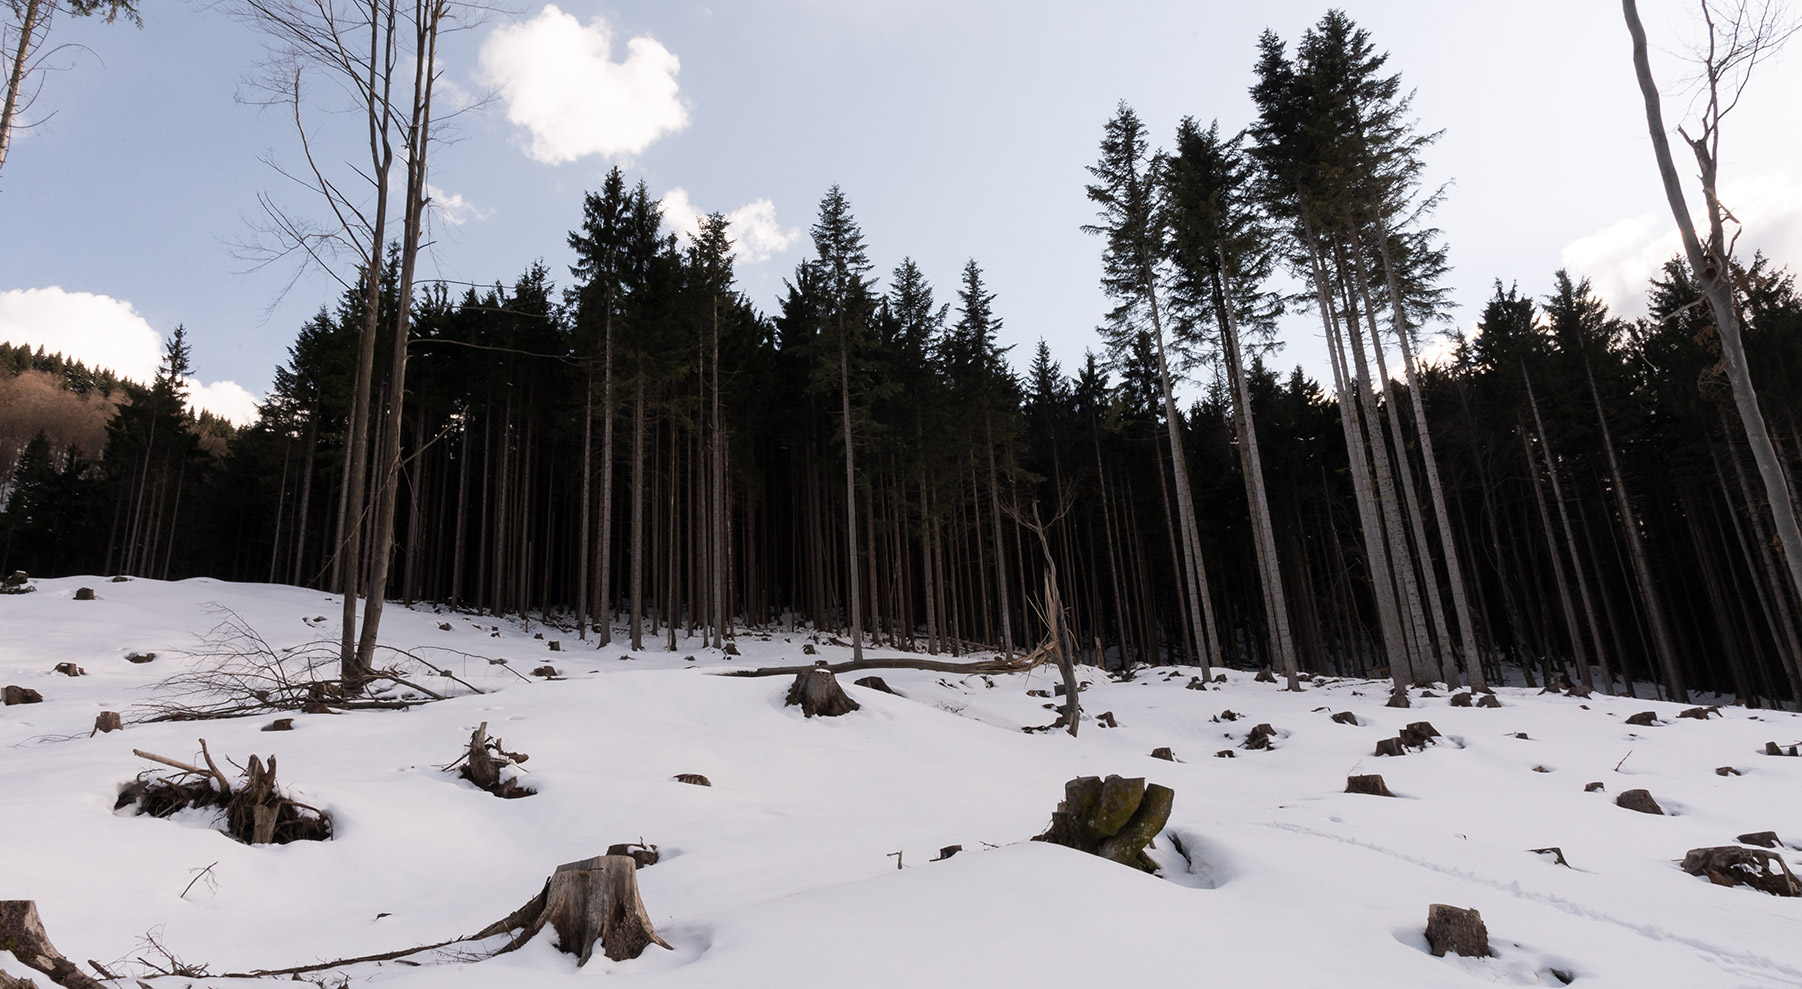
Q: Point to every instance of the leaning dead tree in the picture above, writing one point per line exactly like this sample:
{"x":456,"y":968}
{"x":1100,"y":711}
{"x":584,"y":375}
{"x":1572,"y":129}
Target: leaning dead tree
{"x":22,"y":934}
{"x":1741,"y":34}
{"x":24,"y":59}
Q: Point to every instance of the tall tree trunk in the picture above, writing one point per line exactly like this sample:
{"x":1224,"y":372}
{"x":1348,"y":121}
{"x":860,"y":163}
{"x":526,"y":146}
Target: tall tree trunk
{"x":851,"y":562}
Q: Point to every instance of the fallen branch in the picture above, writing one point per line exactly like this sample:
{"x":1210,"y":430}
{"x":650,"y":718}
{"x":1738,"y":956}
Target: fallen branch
{"x":22,"y":933}
{"x":1027,"y":662}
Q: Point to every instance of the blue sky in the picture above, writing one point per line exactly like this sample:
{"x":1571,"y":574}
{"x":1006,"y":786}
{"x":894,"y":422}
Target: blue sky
{"x":958,"y":130}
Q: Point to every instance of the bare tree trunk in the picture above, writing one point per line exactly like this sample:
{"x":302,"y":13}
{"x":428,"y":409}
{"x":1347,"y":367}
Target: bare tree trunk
{"x":1551,"y":464}
{"x":1007,"y":628}
{"x":1713,"y":270}
{"x":306,"y":497}
{"x":583,"y":563}
{"x":844,"y":382}
{"x":1578,"y":653}
{"x":636,"y":620}
{"x":36,"y":15}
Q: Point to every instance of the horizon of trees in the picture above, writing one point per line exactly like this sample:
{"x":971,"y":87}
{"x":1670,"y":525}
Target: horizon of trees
{"x":1568,"y":495}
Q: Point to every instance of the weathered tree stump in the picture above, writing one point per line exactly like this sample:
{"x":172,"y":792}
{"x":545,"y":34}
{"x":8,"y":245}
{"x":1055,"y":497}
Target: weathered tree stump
{"x":638,"y":852}
{"x":1345,"y":718}
{"x":485,"y":761}
{"x":946,"y":852}
{"x":1727,"y":771}
{"x":1578,"y":690}
{"x":1700,"y":713}
{"x":1163,"y":752}
{"x":70,"y":670}
{"x":106,"y":721}
{"x":1644,"y":719}
{"x":1226,"y":754}
{"x":1391,"y":747}
{"x":1371,"y":784}
{"x":1265,"y":676}
{"x":1771,"y":748}
{"x":807,"y":649}
{"x":1457,"y":931}
{"x":594,"y":901}
{"x":819,"y":695}
{"x":13,"y":694}
{"x":877,"y":683}
{"x":1114,"y":818}
{"x":1730,"y":865}
{"x":22,"y":933}
{"x":1106,"y":720}
{"x":730,"y":649}
{"x":139,"y":657}
{"x":1460,"y":699}
{"x":279,"y":724}
{"x":693,"y":779}
{"x":1593,"y":787}
{"x":1639,"y":800}
{"x":15,"y":581}
{"x":1399,"y":697}
{"x":1259,"y":737}
{"x":84,"y":594}
{"x":1418,"y":735}
{"x":1489,"y":700}
{"x":1763,"y":839}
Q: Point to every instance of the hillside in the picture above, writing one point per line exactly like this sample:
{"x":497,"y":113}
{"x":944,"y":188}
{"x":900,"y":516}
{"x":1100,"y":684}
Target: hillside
{"x":781,"y":872}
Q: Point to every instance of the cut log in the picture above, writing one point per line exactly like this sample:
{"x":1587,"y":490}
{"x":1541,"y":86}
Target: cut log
{"x":22,"y":933}
{"x":13,"y":694}
{"x":817,"y":691}
{"x":106,"y":721}
{"x":1730,"y":865}
{"x":594,"y":901}
{"x":1456,"y":931}
{"x":877,"y":683}
{"x":638,"y":852}
{"x":1639,"y":800}
{"x":1371,"y":784}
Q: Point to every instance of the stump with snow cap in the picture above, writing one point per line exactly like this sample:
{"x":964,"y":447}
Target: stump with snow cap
{"x":818,"y":693}
{"x":1456,"y":931}
{"x":1639,"y":800}
{"x":1731,"y":865}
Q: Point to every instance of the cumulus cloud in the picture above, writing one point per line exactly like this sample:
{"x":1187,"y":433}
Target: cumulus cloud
{"x":1622,"y":258}
{"x":561,"y":84}
{"x":107,"y":333}
{"x":756,"y":234}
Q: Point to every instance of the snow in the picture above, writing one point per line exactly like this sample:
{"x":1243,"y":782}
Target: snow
{"x":782,"y":871}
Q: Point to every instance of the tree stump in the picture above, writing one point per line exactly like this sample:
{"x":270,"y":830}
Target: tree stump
{"x":1371,"y":784}
{"x":1419,"y":735}
{"x":594,"y":901}
{"x":1163,"y":752}
{"x":70,"y":670}
{"x":1771,"y":748}
{"x":1593,"y":787}
{"x":1555,"y":853}
{"x":1399,"y":697}
{"x":1460,"y":699}
{"x":1391,"y":747}
{"x":1456,"y":931}
{"x":13,"y":694}
{"x":139,"y":657}
{"x":1700,"y":713}
{"x":106,"y":721}
{"x":877,"y":683}
{"x":485,"y":761}
{"x":1113,"y":818}
{"x":1345,"y":718}
{"x":1763,"y":839}
{"x":1644,"y":719}
{"x":1489,"y":700}
{"x":818,"y":693}
{"x":1639,"y":800}
{"x":1265,"y":676}
{"x":1727,"y":771}
{"x":1729,"y":865}
{"x":22,"y":933}
{"x":693,"y":779}
{"x":1259,"y":737}
{"x":84,"y":594}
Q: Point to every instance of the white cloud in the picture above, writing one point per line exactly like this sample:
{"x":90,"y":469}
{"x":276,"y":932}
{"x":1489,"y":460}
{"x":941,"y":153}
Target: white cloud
{"x":1622,"y":258}
{"x":756,"y":235}
{"x":453,"y":208}
{"x":107,"y":333}
{"x":561,"y":84}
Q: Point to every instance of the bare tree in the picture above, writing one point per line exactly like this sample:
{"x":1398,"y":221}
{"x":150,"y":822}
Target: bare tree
{"x":1741,"y":34}
{"x":24,"y":59}
{"x":365,"y":49}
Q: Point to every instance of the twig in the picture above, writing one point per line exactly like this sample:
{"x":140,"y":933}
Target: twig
{"x":225,"y":787}
{"x":165,"y":760}
{"x":1618,"y":765}
{"x":184,"y":895}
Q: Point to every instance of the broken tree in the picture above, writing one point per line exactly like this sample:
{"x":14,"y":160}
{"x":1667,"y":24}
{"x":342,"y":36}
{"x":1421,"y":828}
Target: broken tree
{"x":591,"y":901}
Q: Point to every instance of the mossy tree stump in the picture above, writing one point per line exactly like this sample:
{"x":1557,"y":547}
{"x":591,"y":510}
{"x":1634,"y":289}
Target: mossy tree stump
{"x":1114,"y":818}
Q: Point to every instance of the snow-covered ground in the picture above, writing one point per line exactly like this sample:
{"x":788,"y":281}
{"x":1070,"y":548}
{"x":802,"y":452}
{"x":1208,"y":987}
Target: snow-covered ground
{"x":782,"y":872}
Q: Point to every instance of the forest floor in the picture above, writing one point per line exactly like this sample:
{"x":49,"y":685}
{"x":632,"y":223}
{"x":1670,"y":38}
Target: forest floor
{"x":783,"y":871}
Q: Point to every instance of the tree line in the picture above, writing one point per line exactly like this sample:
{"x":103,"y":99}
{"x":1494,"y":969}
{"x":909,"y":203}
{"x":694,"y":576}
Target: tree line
{"x":636,"y":449}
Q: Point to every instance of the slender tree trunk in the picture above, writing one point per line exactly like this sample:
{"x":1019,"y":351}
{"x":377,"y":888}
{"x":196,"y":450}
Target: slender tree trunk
{"x":33,"y":21}
{"x":844,"y":383}
{"x":636,"y":619}
{"x":583,"y":562}
{"x":1551,"y":465}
